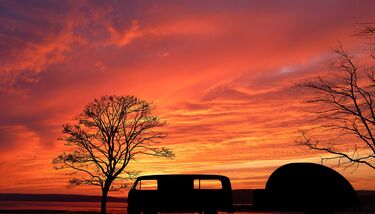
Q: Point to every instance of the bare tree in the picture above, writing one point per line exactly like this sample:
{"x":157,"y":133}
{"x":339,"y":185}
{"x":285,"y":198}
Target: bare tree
{"x":345,"y":106}
{"x":368,"y":32}
{"x":108,"y":134}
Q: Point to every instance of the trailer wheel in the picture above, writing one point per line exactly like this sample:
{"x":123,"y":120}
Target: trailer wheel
{"x":210,"y":211}
{"x":133,"y":210}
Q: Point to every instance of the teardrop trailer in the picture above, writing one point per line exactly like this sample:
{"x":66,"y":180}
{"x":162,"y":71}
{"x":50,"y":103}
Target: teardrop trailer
{"x":307,"y":187}
{"x":180,"y":193}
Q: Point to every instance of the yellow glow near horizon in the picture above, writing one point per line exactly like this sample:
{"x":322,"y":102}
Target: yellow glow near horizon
{"x":222,"y":75}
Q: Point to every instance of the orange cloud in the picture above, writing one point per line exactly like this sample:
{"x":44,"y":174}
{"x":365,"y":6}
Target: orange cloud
{"x":127,"y":36}
{"x":221,"y":74}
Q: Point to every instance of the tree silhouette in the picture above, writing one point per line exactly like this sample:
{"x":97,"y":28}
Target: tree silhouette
{"x":346,"y":106}
{"x":108,"y":134}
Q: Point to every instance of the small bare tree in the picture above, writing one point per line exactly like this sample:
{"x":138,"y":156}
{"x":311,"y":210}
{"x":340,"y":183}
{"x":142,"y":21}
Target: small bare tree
{"x":345,"y":106}
{"x":368,"y":32}
{"x":109,"y":133}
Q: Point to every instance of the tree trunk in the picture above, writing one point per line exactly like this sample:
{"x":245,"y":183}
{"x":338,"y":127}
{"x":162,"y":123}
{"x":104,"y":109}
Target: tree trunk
{"x":103,"y":205}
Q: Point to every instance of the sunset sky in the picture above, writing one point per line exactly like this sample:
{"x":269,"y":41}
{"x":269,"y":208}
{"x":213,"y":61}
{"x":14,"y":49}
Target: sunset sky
{"x":221,"y":73}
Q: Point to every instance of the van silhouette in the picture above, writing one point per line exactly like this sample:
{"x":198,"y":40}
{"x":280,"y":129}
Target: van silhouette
{"x":180,"y":193}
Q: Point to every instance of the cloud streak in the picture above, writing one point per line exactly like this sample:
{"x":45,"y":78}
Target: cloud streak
{"x":222,"y":74}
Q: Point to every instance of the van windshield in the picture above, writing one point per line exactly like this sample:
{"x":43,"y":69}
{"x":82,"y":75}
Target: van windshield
{"x":147,"y":185}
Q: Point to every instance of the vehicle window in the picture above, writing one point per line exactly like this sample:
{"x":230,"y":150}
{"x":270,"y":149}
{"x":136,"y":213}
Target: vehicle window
{"x":147,"y":185}
{"x":207,"y":184}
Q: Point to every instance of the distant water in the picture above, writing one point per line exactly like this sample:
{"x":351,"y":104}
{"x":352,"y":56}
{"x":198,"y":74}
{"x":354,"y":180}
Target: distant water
{"x":112,"y":207}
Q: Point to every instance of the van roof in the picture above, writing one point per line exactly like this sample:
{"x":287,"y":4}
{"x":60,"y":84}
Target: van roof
{"x":191,"y":176}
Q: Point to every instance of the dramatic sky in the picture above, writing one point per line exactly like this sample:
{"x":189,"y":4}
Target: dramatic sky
{"x":221,"y":73}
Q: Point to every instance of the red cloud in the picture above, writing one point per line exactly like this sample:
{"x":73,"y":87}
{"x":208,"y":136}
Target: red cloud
{"x":222,"y":74}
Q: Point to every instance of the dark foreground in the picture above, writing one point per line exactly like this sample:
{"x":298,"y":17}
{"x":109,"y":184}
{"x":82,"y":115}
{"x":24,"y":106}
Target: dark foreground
{"x":83,"y":205}
{"x":47,"y":211}
{"x":242,"y":209}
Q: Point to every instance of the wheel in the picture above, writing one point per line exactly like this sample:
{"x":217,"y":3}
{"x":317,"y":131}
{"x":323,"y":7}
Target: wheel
{"x":210,"y":211}
{"x":150,"y":212}
{"x":327,"y":211}
{"x":133,"y":210}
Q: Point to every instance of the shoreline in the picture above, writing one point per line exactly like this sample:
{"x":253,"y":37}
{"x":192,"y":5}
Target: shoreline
{"x":45,"y":211}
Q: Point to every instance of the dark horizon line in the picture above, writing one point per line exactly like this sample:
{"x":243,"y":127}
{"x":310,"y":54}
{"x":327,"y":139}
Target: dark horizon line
{"x":56,"y":197}
{"x":239,"y":194}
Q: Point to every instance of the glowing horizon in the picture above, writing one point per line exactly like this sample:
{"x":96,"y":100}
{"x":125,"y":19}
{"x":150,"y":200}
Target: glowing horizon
{"x":222,"y":74}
